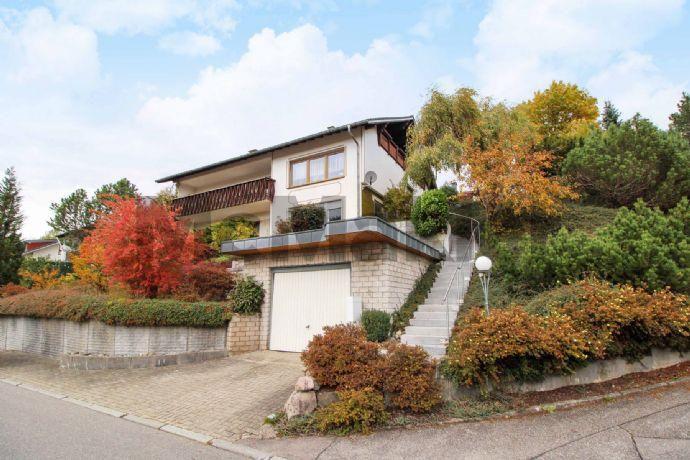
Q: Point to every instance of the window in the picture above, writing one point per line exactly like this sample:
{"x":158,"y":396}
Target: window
{"x":334,"y":210}
{"x":318,"y":168}
{"x":298,"y":175}
{"x":379,"y":210}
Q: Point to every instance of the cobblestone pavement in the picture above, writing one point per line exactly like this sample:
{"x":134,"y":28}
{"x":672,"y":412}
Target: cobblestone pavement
{"x":224,"y":398}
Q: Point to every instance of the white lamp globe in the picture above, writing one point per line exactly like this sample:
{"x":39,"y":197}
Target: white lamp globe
{"x":483,"y":264}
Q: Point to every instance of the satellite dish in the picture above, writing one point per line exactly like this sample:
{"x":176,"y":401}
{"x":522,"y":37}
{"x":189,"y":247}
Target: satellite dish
{"x":370,"y":178}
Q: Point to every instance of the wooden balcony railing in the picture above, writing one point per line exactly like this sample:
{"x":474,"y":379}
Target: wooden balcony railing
{"x":226,"y":197}
{"x":388,"y":144}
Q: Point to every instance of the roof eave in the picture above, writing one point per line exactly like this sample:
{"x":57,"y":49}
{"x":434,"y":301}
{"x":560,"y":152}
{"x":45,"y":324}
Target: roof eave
{"x":299,"y":140}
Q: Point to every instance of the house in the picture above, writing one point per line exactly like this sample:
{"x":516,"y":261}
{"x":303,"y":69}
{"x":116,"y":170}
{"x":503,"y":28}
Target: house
{"x":50,"y":248}
{"x":324,"y":276}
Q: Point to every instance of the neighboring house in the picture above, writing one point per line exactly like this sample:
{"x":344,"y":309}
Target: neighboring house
{"x":319,"y":277}
{"x":51,"y":249}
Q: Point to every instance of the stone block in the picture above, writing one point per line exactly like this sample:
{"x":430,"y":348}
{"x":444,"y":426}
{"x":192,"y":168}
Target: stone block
{"x":15,"y":333}
{"x":131,"y":341}
{"x":306,"y":383}
{"x":101,"y":339}
{"x":54,"y":337}
{"x":300,"y":403}
{"x":76,"y":337}
{"x":168,"y":340}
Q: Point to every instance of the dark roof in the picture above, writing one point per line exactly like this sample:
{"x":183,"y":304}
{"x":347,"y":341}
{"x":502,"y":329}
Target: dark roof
{"x":255,"y":153}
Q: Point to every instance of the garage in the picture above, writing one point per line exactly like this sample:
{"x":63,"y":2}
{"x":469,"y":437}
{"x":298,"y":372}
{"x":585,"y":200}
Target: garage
{"x":306,"y":299}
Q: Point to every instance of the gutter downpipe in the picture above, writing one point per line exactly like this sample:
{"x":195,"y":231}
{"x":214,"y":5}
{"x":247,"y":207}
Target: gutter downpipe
{"x":359,"y":183}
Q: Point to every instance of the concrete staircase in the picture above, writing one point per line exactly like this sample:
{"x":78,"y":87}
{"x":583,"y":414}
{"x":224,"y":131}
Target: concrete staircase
{"x":429,"y":326}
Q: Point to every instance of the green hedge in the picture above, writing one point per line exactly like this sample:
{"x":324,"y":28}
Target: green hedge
{"x":74,"y":305}
{"x":377,"y":325}
{"x":402,"y":317}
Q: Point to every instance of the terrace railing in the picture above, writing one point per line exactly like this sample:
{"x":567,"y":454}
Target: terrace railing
{"x":226,"y":197}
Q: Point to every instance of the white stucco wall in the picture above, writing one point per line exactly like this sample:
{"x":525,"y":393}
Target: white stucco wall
{"x":344,"y":188}
{"x":388,"y":172}
{"x":53,"y":252}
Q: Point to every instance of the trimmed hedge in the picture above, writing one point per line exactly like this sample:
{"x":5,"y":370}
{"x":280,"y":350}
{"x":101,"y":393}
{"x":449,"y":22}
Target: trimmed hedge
{"x":75,"y":305}
{"x":401,"y":318}
{"x":377,"y":325}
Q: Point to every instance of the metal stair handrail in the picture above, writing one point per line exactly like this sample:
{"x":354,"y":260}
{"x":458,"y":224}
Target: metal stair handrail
{"x":472,"y":248}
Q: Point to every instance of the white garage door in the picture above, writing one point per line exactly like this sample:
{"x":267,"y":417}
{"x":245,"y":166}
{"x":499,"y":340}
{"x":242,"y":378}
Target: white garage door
{"x":304,"y":301}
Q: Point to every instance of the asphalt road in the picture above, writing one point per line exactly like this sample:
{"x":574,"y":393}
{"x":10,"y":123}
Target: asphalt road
{"x":36,"y":426}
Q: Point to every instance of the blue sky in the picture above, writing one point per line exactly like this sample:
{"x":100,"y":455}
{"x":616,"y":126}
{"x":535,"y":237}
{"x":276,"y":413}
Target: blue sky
{"x":91,"y":91}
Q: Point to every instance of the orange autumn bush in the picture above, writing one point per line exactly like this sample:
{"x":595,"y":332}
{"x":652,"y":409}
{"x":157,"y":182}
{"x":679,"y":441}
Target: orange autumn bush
{"x":408,"y":376}
{"x":342,"y":358}
{"x":598,"y":321}
{"x":10,"y":289}
{"x":87,"y":264}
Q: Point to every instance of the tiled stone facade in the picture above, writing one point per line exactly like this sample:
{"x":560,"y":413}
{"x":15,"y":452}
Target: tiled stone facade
{"x":244,"y":333}
{"x":382,"y":274}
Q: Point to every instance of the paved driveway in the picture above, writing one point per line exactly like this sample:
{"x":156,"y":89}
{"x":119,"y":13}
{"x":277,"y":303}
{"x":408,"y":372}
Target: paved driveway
{"x":225,"y":398}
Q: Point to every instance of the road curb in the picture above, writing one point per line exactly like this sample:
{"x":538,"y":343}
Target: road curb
{"x":218,"y":443}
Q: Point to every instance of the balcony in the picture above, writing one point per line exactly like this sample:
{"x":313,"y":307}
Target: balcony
{"x":344,"y":232}
{"x":388,"y":144}
{"x":234,"y":195}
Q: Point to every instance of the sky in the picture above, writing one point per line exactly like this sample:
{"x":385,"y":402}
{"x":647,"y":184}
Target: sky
{"x":92,"y":91}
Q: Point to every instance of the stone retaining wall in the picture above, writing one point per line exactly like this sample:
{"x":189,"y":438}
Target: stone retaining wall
{"x":243,"y":333}
{"x":595,"y":372}
{"x":56,"y":337}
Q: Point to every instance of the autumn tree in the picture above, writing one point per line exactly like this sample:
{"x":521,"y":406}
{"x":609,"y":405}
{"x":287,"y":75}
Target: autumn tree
{"x":11,"y":246}
{"x":563,"y":113}
{"x":435,"y":141}
{"x":507,"y":173}
{"x":680,"y":121}
{"x":143,"y":246}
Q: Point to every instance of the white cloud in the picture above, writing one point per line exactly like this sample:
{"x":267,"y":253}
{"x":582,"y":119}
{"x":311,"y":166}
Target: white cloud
{"x":34,"y":47}
{"x":635,"y":84}
{"x":148,"y":16}
{"x":189,"y":43}
{"x":522,"y":45}
{"x":436,"y":16}
{"x":285,"y":85}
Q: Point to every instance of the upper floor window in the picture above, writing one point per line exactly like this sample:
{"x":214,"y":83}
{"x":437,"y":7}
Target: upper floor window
{"x":319,"y":168}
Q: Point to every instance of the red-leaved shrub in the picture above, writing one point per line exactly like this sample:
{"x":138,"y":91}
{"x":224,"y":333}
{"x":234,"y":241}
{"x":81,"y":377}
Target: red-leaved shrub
{"x":144,"y":247}
{"x":206,"y":281}
{"x":11,"y":289}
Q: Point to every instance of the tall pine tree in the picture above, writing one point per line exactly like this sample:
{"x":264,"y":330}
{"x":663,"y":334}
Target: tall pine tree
{"x":680,"y":121}
{"x":11,"y":246}
{"x":611,"y":115}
